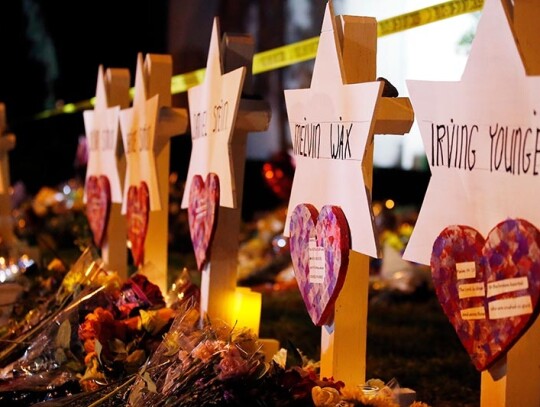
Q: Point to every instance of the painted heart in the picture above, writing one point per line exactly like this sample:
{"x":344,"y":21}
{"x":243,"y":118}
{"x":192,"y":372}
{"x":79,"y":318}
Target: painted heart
{"x":138,"y":212}
{"x":203,"y":211}
{"x":98,"y":206}
{"x":319,"y":244}
{"x":488,"y":288}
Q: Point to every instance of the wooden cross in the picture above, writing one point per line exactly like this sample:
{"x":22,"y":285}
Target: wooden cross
{"x":159,"y":121}
{"x":332,"y":125}
{"x":7,"y":143}
{"x":343,"y":345}
{"x":219,"y":274}
{"x":514,"y":380}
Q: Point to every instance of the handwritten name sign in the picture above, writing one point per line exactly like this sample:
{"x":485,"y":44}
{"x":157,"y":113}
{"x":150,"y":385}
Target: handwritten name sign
{"x":495,"y":147}
{"x":331,"y":140}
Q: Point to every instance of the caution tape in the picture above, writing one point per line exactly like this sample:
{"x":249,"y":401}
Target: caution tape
{"x":305,"y":50}
{"x":427,"y":15}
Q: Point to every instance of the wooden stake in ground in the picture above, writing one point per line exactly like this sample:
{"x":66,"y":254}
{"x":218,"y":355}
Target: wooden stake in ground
{"x":220,"y":122}
{"x":7,"y":143}
{"x":106,"y":167}
{"x":146,"y":131}
{"x":330,"y":221}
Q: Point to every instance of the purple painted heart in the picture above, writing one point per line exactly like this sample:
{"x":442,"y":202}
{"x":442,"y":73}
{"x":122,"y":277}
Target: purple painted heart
{"x":320,"y":244}
{"x":203,"y":211}
{"x":98,"y":206}
{"x":488,"y":288}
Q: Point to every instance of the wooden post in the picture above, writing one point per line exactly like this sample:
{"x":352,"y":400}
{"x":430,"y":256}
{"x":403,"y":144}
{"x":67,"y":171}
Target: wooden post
{"x":343,"y":343}
{"x":114,"y":250}
{"x":218,"y":280}
{"x":513,"y":381}
{"x":7,"y":143}
{"x":170,"y":122}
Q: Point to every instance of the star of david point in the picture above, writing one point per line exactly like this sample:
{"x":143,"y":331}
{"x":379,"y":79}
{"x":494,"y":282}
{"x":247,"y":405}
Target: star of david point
{"x":139,"y":98}
{"x":213,"y":108}
{"x":213,"y":61}
{"x":480,"y":138}
{"x":330,"y":172}
{"x":101,"y":93}
{"x":328,"y":59}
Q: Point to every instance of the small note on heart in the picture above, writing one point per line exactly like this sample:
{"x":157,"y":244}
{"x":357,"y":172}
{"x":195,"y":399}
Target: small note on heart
{"x":320,"y":244}
{"x":203,"y":211}
{"x":488,"y":288}
{"x":98,"y":206}
{"x":138,"y":212}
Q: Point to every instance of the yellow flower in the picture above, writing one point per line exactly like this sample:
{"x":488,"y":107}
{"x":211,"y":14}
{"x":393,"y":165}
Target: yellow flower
{"x":355,"y":394}
{"x":325,"y":396}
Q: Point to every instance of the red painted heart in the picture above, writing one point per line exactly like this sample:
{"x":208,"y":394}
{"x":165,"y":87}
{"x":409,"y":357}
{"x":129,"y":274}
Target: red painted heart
{"x":98,"y":206}
{"x":202,"y":215}
{"x":320,"y":244}
{"x":489,"y":289}
{"x":138,"y":212}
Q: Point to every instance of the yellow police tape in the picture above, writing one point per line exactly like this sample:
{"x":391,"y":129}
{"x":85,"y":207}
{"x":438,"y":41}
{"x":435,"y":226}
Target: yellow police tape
{"x":307,"y":49}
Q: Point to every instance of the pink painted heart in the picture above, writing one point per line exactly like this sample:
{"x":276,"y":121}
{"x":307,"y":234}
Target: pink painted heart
{"x":138,"y":212}
{"x":98,"y":206}
{"x":488,"y":288}
{"x":319,"y":244}
{"x":202,"y":215}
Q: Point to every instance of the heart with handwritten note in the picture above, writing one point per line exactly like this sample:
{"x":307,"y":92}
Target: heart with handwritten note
{"x":319,"y":244}
{"x":488,"y":288}
{"x":203,"y":211}
{"x":98,"y":206}
{"x":138,"y":212}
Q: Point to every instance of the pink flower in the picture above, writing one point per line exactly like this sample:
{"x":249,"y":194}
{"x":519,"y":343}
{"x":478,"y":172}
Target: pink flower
{"x":206,"y":349}
{"x":232,"y":365}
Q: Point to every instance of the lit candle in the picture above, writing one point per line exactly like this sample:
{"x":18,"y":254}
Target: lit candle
{"x":247,"y":310}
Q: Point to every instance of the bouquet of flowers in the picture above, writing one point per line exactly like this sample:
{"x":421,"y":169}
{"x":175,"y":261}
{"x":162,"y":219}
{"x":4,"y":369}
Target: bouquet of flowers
{"x":119,"y":338}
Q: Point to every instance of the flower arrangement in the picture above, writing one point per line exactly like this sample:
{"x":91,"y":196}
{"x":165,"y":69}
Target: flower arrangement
{"x":117,"y":340}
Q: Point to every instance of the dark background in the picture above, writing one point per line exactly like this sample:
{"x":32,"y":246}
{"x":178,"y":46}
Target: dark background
{"x":52,"y":49}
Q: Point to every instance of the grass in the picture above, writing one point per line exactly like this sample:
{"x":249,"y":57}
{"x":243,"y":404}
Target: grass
{"x":409,"y":339}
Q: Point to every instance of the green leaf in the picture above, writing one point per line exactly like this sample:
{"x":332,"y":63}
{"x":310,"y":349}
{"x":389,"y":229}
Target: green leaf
{"x":63,"y":337}
{"x":60,"y":356}
{"x":117,"y":346}
{"x":294,"y":358}
{"x":98,"y":347}
{"x":149,"y":382}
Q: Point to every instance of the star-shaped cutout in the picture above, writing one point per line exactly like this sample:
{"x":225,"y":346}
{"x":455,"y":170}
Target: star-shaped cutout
{"x":138,"y":125}
{"x":213,"y":109}
{"x":331,"y":124}
{"x":482,"y":139}
{"x":101,"y":126}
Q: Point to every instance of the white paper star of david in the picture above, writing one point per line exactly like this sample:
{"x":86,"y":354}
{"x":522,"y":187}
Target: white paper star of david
{"x":101,"y":126}
{"x":138,"y":125}
{"x":482,"y":139}
{"x":331,"y":124}
{"x":213,"y":108}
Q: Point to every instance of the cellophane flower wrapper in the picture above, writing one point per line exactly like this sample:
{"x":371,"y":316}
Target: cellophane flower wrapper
{"x":87,"y":275}
{"x":53,"y":361}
